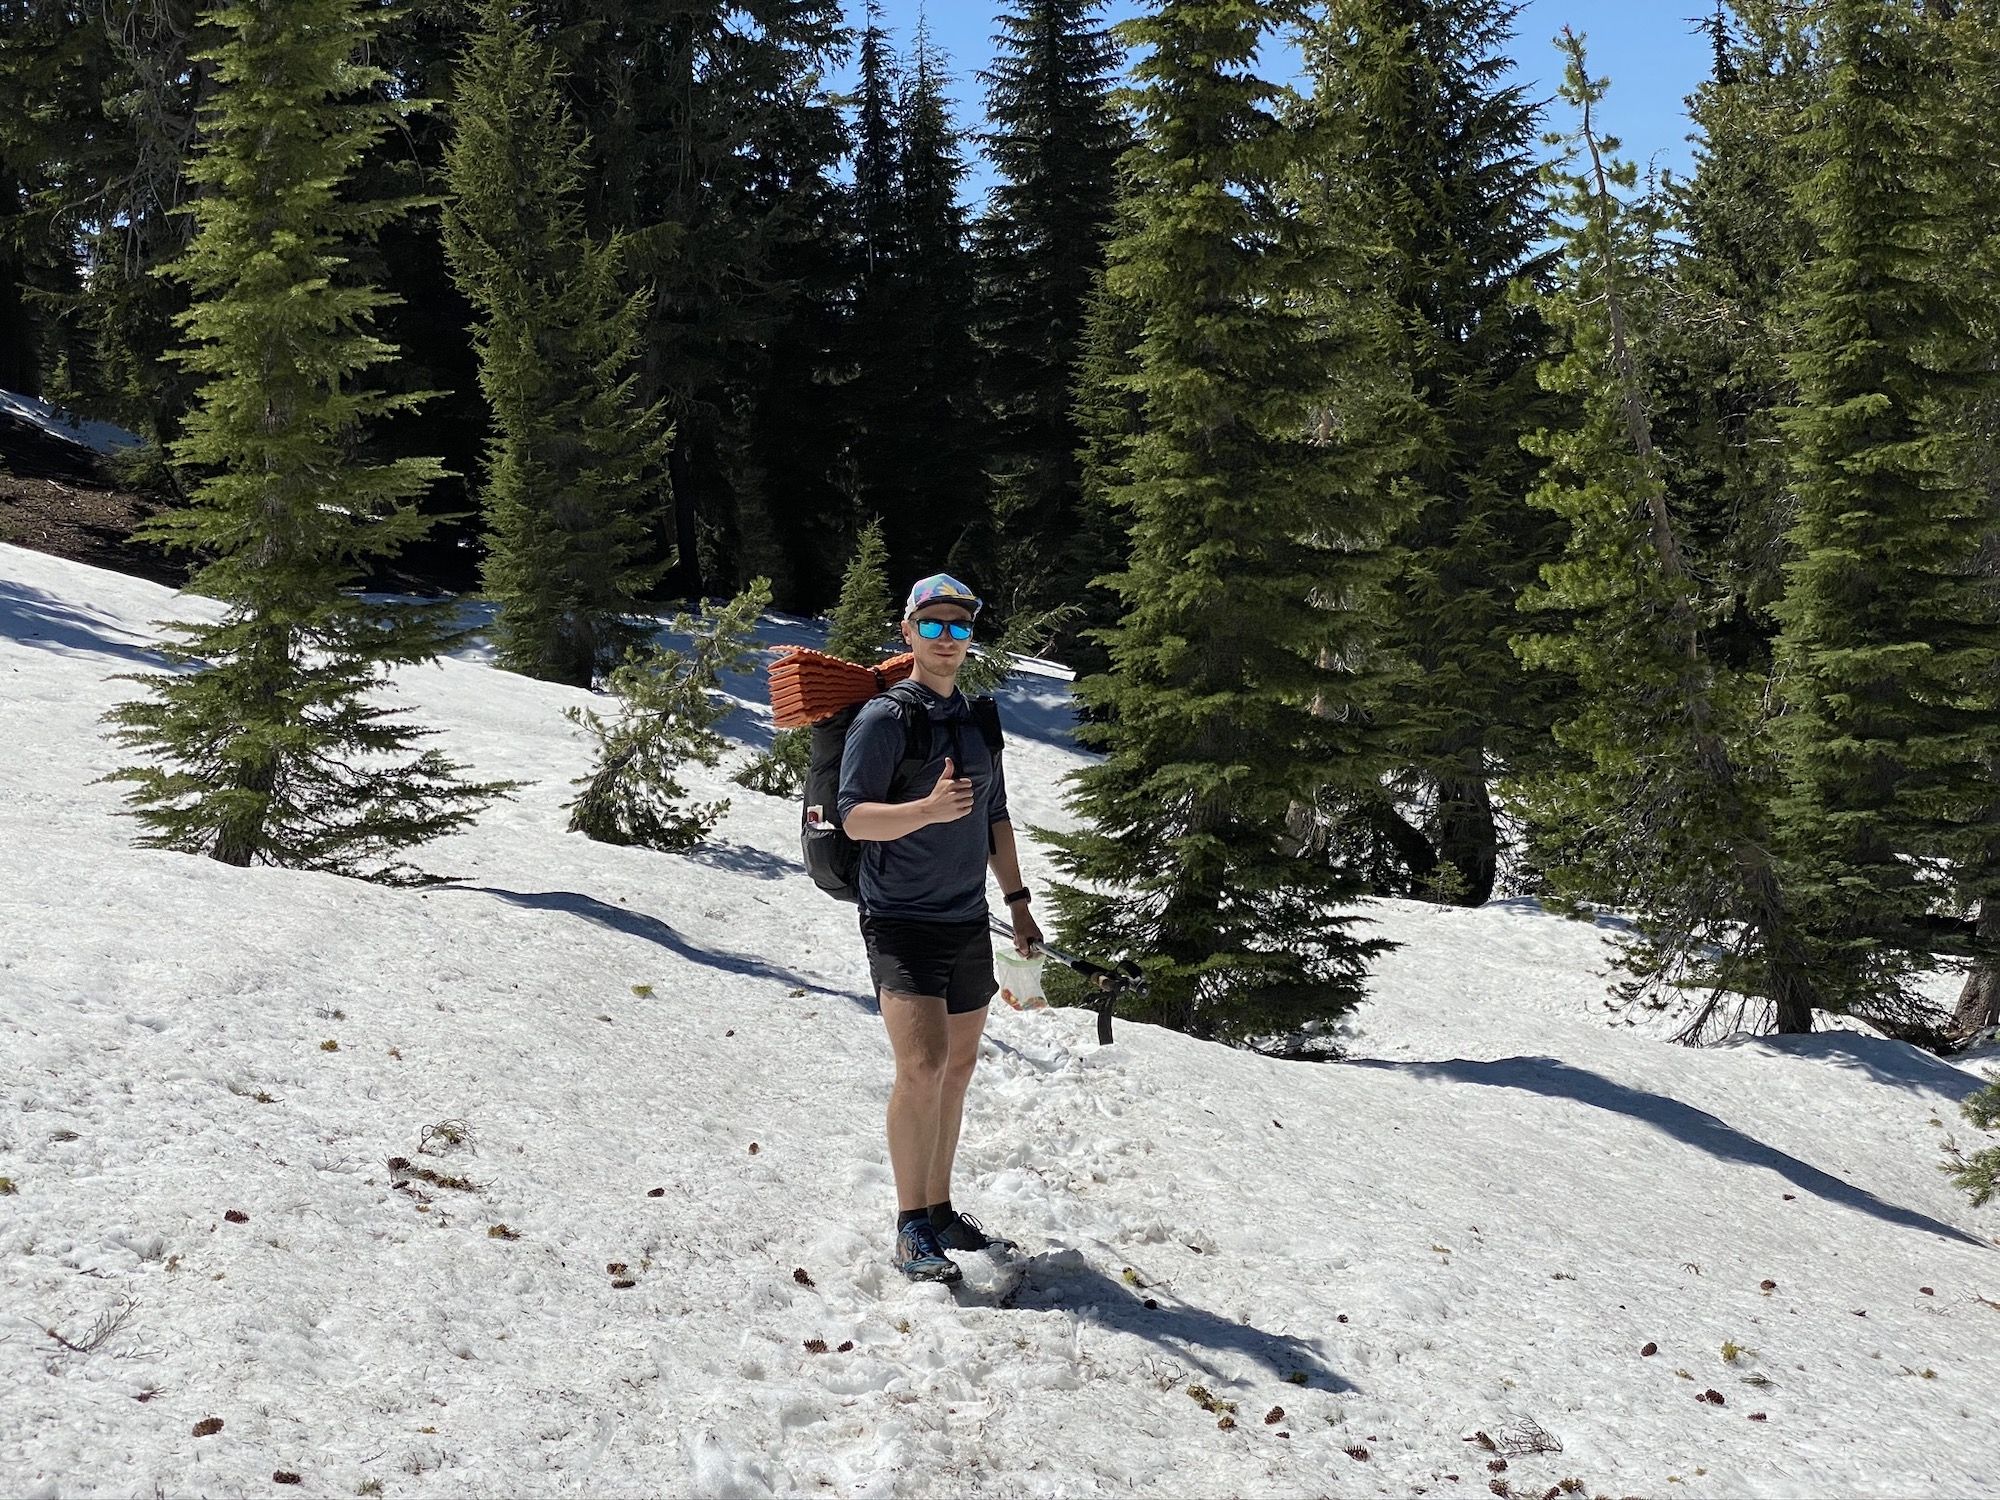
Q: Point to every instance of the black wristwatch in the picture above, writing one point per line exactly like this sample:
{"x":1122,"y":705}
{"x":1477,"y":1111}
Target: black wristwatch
{"x":1021,"y":895}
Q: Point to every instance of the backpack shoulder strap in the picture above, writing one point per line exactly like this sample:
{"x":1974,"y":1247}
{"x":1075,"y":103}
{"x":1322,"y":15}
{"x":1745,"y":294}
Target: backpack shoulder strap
{"x":986,"y":714}
{"x":916,"y":726}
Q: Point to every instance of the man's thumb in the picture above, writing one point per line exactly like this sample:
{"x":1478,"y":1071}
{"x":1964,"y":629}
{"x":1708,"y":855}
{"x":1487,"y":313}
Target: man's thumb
{"x":947,"y":770}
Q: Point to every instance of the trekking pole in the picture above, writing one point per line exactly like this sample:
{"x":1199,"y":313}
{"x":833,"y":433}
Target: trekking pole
{"x":1110,"y":983}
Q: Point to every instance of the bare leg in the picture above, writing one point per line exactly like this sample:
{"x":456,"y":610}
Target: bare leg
{"x":962,"y":1057}
{"x":919,"y":1038}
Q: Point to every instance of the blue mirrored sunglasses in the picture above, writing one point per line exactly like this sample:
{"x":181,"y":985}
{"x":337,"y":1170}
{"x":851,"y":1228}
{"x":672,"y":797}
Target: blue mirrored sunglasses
{"x":930,"y":630}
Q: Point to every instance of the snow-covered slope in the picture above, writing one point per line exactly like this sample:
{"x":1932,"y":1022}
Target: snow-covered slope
{"x":672,"y":1077}
{"x":98,"y":437}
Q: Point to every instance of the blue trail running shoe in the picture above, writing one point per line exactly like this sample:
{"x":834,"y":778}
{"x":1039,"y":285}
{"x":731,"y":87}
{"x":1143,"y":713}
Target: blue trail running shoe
{"x":957,"y":1231}
{"x":920,"y":1257}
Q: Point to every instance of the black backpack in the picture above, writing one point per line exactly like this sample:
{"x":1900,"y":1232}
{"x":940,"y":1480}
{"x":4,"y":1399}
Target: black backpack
{"x":832,"y":858}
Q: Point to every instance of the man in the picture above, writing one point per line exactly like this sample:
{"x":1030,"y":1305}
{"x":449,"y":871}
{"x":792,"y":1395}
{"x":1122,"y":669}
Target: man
{"x":925,"y":850}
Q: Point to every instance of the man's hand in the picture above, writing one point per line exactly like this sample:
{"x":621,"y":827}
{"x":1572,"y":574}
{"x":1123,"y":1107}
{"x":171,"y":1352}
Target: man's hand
{"x":951,"y":798}
{"x":1027,"y":932}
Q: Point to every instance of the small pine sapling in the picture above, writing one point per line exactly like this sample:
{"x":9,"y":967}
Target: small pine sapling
{"x":669,"y":712}
{"x":1027,"y":634}
{"x":1979,"y":1173}
{"x":781,"y":770}
{"x":864,"y":619}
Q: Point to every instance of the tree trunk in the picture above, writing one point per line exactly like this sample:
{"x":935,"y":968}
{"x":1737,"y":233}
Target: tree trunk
{"x":241,"y":835}
{"x":684,"y":580}
{"x":20,"y":364}
{"x":1468,"y":838}
{"x":1979,"y":1001}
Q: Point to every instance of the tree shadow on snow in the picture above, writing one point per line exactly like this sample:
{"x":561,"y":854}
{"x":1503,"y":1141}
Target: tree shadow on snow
{"x":1897,"y":1064}
{"x":1697,"y":1128}
{"x":744,"y":859}
{"x":1603,"y":921}
{"x":35,"y":618}
{"x":1064,"y":1281}
{"x":638,"y":924}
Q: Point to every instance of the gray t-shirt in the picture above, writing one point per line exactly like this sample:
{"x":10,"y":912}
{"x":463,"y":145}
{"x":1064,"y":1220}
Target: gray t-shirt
{"x":937,"y":873}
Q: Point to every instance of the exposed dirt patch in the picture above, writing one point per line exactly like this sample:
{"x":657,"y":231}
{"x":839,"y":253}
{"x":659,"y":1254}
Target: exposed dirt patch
{"x":85,"y":521}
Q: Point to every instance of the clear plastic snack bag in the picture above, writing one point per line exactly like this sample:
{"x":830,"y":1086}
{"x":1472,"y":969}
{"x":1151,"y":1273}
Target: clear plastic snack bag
{"x":1020,"y":978}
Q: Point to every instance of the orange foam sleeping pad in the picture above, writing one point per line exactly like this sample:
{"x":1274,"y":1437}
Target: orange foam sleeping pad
{"x":808,"y":686}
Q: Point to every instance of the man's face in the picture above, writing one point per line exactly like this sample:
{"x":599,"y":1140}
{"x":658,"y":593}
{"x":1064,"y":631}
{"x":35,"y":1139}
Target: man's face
{"x":943,"y":655}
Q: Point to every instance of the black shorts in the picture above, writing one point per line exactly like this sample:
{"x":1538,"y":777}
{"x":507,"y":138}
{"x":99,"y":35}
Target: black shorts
{"x":951,"y":959}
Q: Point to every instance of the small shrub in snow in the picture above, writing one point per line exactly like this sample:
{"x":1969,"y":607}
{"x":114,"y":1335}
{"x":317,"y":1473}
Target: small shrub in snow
{"x":781,"y":770}
{"x":1979,"y":1173}
{"x":1528,"y":1436}
{"x":446,"y":1135}
{"x":668,"y":718}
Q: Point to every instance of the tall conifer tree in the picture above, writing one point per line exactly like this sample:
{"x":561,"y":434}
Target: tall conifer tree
{"x":1055,"y":139}
{"x":1108,"y":415}
{"x":1720,"y":378}
{"x":575,"y":468}
{"x":1969,"y":37}
{"x":915,"y":399}
{"x":273,"y":749}
{"x":712,"y":133}
{"x":1665,"y":806}
{"x":1239,"y":684}
{"x":1890,"y":648}
{"x":1440,"y":146}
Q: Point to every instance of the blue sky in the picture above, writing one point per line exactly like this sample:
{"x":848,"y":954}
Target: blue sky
{"x":1648,"y":47}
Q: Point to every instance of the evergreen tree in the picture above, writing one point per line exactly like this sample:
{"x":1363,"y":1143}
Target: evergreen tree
{"x":789,"y":464}
{"x":1439,"y":149}
{"x":274,"y":751}
{"x":1967,"y":41}
{"x":863,"y":621}
{"x":712,"y":137}
{"x":1665,"y":805}
{"x":421,"y":46}
{"x":1888,"y":647}
{"x":1055,"y":142}
{"x":1108,"y":415}
{"x":865,"y":618}
{"x":1240,"y":681}
{"x":915,"y":396}
{"x":1979,"y":1173}
{"x":877,"y":178}
{"x":574,"y":467}
{"x":97,"y":117}
{"x":670,"y":708}
{"x":1719,"y":375}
